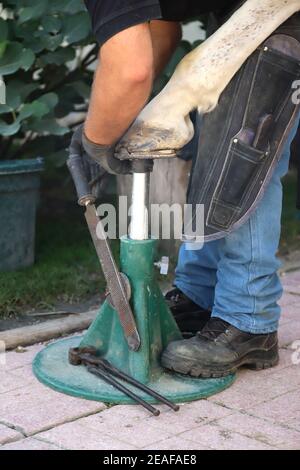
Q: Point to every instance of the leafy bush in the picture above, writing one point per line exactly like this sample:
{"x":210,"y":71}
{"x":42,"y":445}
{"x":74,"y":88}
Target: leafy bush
{"x":46,"y":52}
{"x":45,"y":64}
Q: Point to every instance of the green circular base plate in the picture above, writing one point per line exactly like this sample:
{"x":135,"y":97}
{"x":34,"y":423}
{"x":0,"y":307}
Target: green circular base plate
{"x":52,"y":368}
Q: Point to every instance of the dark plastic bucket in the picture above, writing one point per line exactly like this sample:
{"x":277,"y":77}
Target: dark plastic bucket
{"x":19,"y":192}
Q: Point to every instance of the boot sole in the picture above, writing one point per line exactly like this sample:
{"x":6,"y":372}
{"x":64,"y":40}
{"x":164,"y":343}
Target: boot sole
{"x":256,"y":360}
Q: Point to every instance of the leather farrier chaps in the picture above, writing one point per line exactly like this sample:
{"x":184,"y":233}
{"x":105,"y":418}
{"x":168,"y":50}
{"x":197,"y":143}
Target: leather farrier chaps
{"x":242,"y":140}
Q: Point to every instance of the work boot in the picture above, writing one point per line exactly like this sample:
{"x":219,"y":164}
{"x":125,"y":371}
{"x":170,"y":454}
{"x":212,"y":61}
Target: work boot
{"x":189,"y":316}
{"x":219,"y":349}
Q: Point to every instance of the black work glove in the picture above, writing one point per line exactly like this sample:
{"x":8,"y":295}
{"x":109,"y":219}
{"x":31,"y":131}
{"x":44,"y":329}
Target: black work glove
{"x":86,"y":172}
{"x":104,"y":156}
{"x":88,"y":162}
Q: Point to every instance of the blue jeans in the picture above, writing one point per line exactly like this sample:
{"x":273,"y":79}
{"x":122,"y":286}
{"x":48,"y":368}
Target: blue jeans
{"x":237,"y":276}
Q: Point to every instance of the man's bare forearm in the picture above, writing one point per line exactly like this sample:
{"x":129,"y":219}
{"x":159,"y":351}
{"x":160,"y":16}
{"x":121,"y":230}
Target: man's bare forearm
{"x":123,"y":81}
{"x":122,"y":84}
{"x":111,"y":111}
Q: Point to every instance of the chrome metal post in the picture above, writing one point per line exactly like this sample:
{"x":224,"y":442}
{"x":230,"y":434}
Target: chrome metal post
{"x":139,"y":209}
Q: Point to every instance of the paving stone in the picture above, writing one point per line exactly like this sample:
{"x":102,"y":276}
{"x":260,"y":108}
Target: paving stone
{"x":128,"y":415}
{"x":18,"y":359}
{"x":176,"y":443}
{"x":217,"y":437}
{"x":285,"y":360}
{"x":289,"y":377}
{"x":252,"y":388}
{"x":29,"y":395}
{"x":22,"y":398}
{"x":10,"y":382}
{"x":289,"y":332}
{"x":294,"y":423}
{"x":137,"y":432}
{"x":8,"y":434}
{"x":291,"y":312}
{"x":289,"y":282}
{"x":25,"y":373}
{"x":294,"y":289}
{"x":261,"y":430}
{"x":34,"y":393}
{"x":293,"y":276}
{"x":235,"y":399}
{"x":74,"y":436}
{"x":32,"y":409}
{"x":288,"y":299}
{"x":46,"y":415}
{"x":291,"y":285}
{"x":189,"y":416}
{"x":283,"y":321}
{"x":29,"y":444}
{"x":282,"y":410}
{"x":280,"y":379}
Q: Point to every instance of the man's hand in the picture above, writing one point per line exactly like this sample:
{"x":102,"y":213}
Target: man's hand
{"x":102,"y":154}
{"x":88,"y":163}
{"x":86,"y":173}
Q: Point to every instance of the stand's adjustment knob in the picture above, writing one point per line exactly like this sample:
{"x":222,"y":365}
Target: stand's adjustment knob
{"x":163,"y":265}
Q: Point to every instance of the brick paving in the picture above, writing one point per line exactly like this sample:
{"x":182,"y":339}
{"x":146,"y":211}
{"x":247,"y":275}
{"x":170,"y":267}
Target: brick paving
{"x":260,"y":411}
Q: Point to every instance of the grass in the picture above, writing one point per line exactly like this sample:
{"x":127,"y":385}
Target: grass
{"x":67,"y":268}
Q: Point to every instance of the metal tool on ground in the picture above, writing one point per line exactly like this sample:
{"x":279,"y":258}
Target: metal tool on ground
{"x":88,"y":356}
{"x":108,"y":378}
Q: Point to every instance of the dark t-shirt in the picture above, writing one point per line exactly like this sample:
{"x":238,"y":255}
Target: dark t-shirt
{"x":109,"y":17}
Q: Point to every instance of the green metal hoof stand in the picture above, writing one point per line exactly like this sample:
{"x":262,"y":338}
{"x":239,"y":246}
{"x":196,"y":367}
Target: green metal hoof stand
{"x":156,"y":328}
